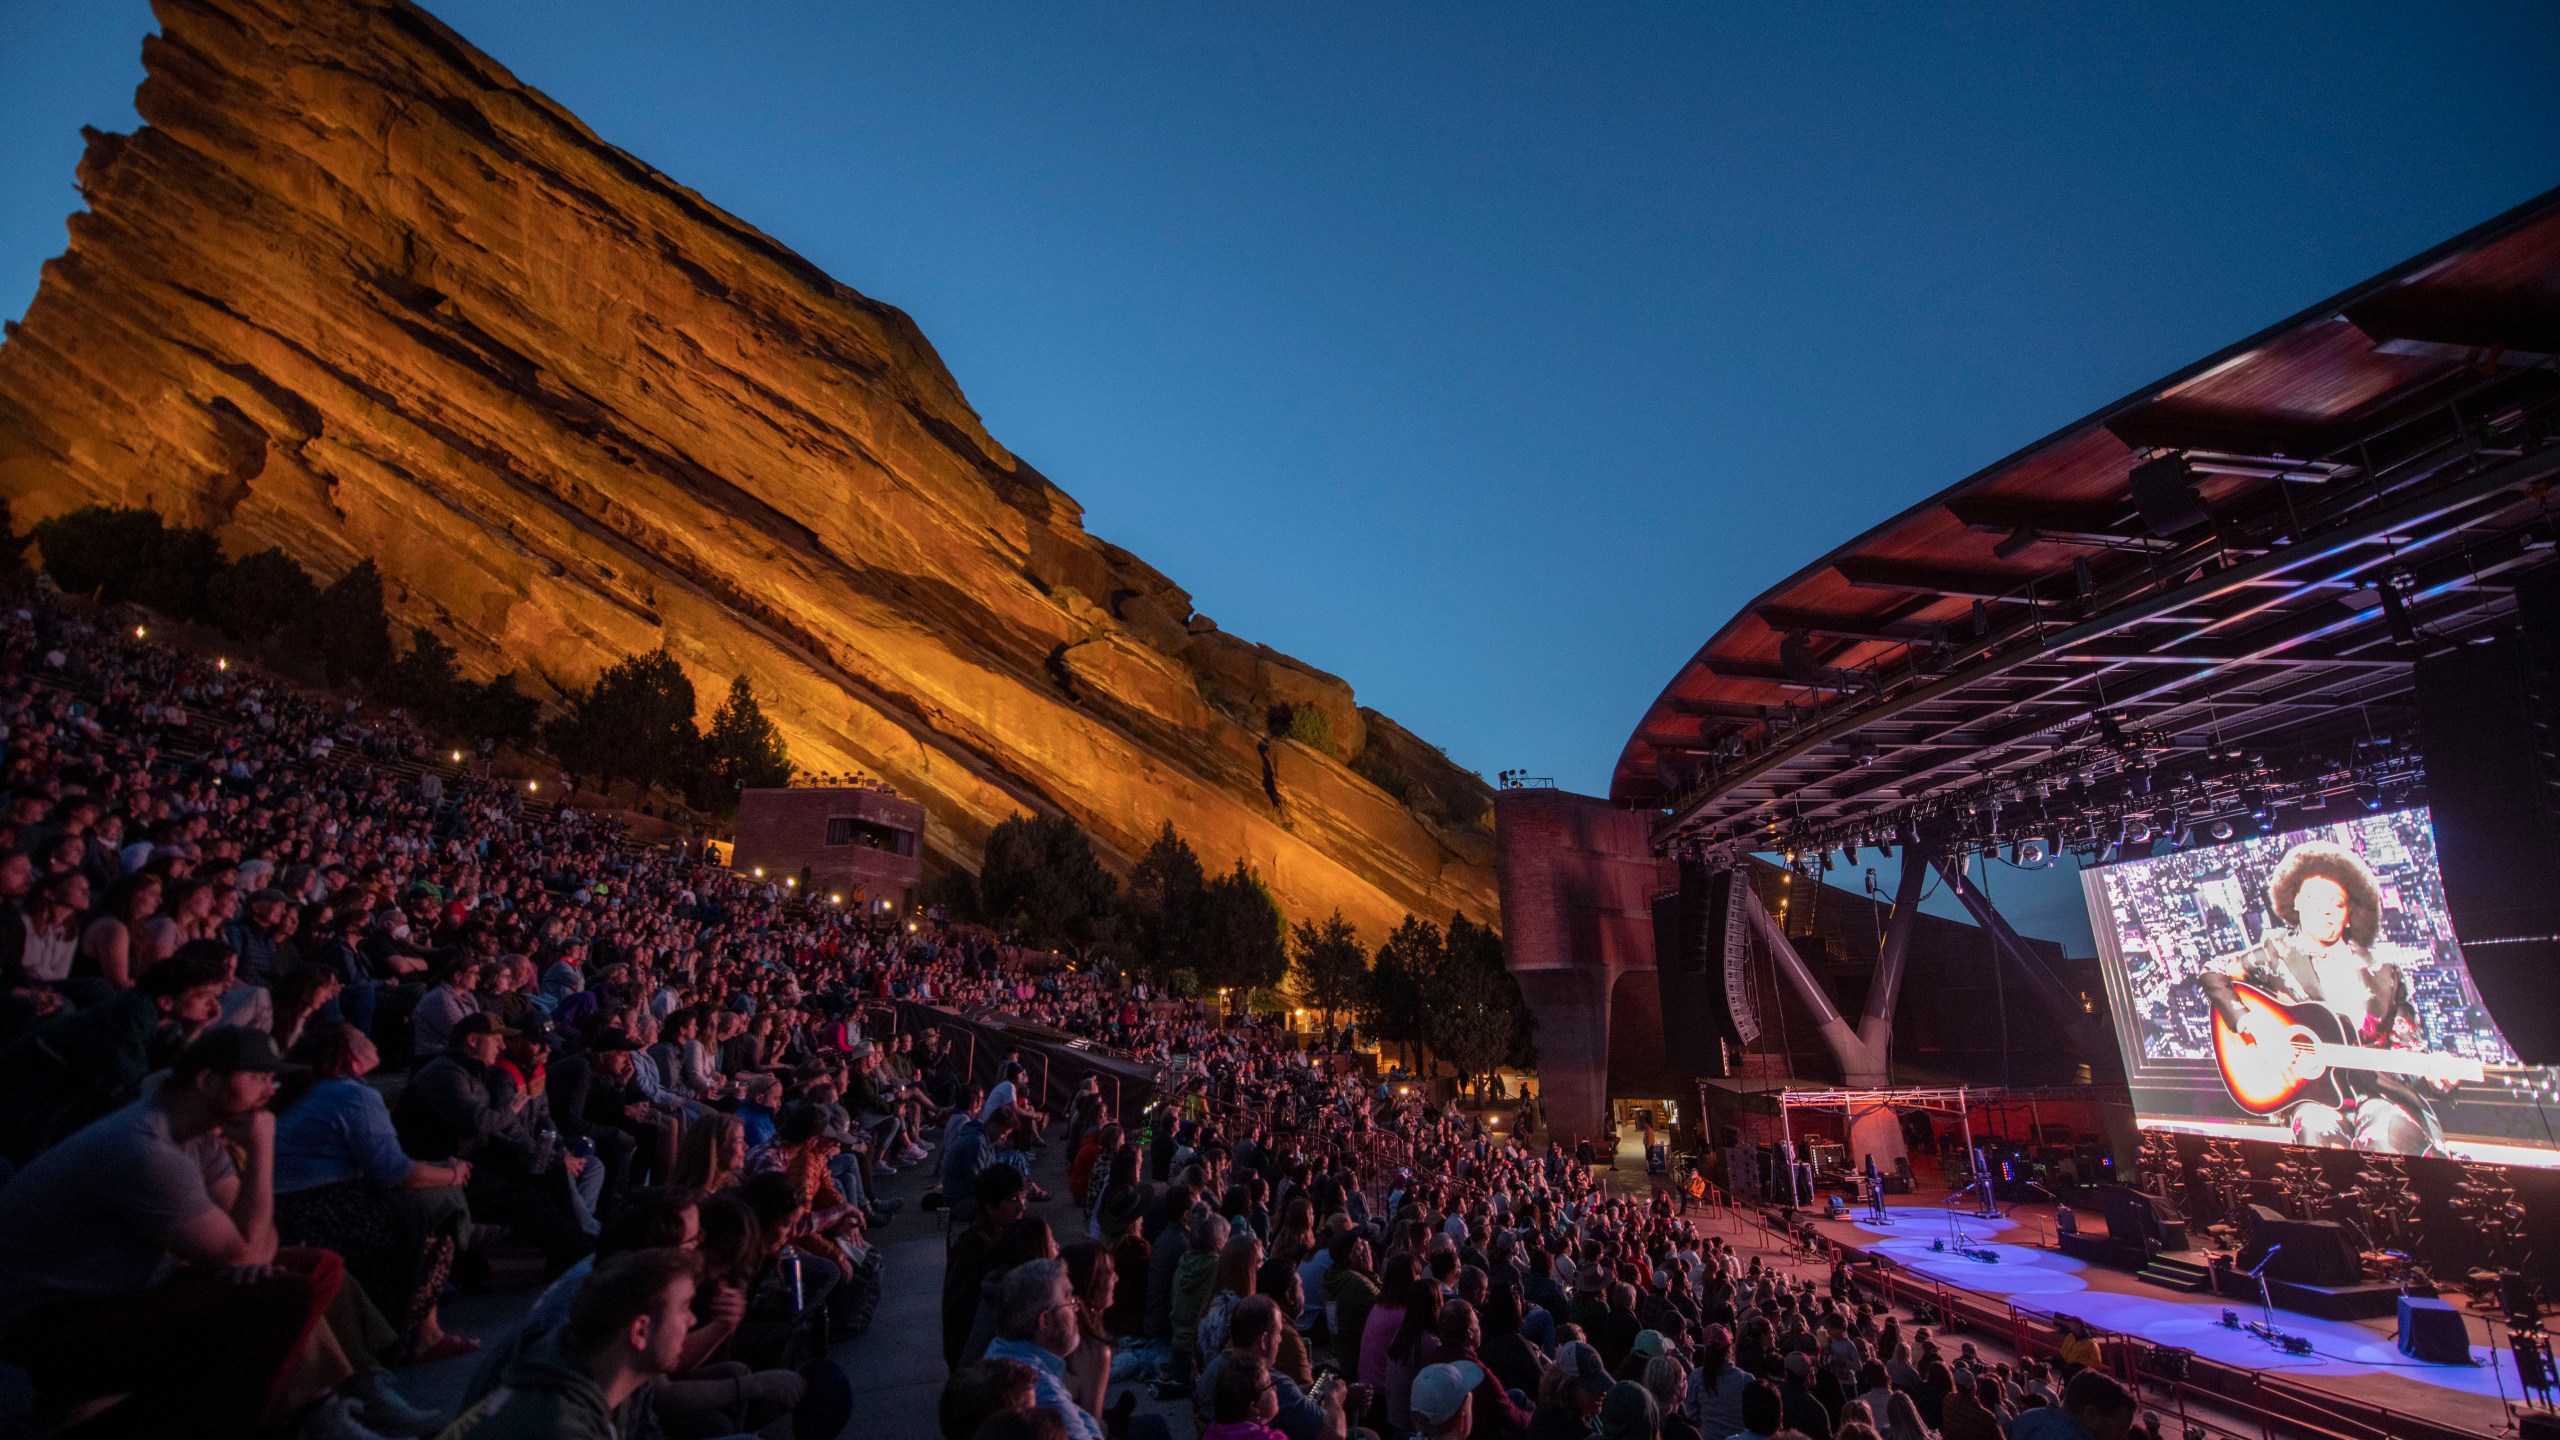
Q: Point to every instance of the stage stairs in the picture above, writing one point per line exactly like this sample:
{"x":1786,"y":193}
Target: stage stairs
{"x":2171,"y":1273}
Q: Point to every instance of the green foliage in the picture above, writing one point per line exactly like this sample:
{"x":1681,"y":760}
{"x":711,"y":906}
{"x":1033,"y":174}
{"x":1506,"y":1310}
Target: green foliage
{"x":347,"y":626}
{"x":98,"y":549}
{"x":635,"y":723}
{"x":255,"y":597}
{"x":1331,"y":965}
{"x":428,"y":681}
{"x":1374,"y":766}
{"x":1182,"y":982}
{"x":174,"y":576}
{"x":1312,"y":726}
{"x":424,"y":680}
{"x":1406,"y":966}
{"x":741,"y":749}
{"x":1243,"y":937}
{"x":122,"y":555}
{"x":496,"y":711}
{"x":1041,"y":877}
{"x":1475,"y":1017}
{"x":1165,"y":892}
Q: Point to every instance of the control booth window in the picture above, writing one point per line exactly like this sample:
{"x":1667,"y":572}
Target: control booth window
{"x":848,"y":830}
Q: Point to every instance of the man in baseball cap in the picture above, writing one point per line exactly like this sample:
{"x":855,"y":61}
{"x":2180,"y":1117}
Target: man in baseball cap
{"x":137,"y":1259}
{"x":1442,"y":1396}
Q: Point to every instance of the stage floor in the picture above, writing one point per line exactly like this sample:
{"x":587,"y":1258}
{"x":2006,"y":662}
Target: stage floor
{"x":2358,"y":1361}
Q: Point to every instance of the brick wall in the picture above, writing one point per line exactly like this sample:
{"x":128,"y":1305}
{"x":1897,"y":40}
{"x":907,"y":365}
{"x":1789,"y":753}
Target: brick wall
{"x":783,"y":830}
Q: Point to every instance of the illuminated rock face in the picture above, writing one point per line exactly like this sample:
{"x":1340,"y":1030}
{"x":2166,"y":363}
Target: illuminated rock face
{"x":354,"y":290}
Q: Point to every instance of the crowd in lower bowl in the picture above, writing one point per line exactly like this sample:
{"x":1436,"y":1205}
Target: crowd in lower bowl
{"x":296,"y":1034}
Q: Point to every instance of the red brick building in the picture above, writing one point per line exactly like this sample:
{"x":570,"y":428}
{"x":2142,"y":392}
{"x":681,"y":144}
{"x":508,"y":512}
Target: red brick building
{"x":863,"y":843}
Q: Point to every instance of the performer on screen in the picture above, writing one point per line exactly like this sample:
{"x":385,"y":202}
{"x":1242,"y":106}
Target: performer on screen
{"x":2331,"y":904}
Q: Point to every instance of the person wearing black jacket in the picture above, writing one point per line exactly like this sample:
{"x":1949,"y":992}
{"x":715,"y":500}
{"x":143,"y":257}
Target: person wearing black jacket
{"x":517,"y":1178}
{"x":590,"y":1095}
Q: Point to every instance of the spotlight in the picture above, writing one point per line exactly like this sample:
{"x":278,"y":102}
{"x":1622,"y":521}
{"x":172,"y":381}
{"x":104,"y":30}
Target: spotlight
{"x":2032,"y":853}
{"x":2368,"y":793}
{"x":2222,"y":830}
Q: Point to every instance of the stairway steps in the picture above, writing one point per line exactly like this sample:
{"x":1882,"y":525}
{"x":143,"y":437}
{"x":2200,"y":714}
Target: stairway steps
{"x":2170,"y":1273}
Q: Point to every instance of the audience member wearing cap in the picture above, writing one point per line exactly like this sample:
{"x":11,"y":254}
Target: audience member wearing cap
{"x":1804,"y":1410}
{"x":1715,"y":1391}
{"x":1444,"y":1400}
{"x":117,"y":1248}
{"x":1131,"y":1256}
{"x":79,"y":1065}
{"x":1570,"y":1395}
{"x":343,"y":1183}
{"x":447,"y":1113}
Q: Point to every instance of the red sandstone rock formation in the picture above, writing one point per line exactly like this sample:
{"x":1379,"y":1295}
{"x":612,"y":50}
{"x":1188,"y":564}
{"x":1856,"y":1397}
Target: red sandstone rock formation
{"x":355,"y":290}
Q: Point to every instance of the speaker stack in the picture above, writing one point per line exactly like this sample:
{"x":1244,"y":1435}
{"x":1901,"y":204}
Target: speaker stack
{"x":2486,"y":724}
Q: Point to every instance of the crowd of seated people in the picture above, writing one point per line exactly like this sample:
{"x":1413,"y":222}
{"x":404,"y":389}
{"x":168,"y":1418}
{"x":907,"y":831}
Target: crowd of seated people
{"x":292,"y":1041}
{"x":293,"y":1044}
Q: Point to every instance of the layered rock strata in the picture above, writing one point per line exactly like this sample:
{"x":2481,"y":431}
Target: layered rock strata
{"x":355,"y":290}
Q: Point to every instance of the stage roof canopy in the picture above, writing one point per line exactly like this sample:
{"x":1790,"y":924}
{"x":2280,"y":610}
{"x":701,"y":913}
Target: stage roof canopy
{"x":2218,"y":570}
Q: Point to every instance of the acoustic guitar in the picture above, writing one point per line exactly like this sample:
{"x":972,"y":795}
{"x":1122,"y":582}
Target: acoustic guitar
{"x":2308,"y":1044}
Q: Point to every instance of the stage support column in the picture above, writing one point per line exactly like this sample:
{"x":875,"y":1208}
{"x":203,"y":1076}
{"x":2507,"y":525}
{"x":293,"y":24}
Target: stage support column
{"x":1875,"y":1131}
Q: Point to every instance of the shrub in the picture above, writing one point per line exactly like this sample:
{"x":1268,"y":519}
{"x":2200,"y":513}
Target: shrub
{"x":348,"y":628}
{"x":98,"y":549}
{"x":1312,"y":726}
{"x":258,"y":595}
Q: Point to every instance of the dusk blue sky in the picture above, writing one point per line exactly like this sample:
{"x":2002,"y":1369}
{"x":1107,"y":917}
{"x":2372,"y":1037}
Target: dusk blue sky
{"x":1491,"y":356}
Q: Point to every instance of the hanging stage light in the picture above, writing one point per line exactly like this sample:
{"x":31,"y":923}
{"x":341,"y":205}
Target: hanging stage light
{"x":2222,"y":830}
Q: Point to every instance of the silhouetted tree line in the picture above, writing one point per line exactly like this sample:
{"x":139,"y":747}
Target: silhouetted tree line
{"x":1435,"y":993}
{"x":635,"y":723}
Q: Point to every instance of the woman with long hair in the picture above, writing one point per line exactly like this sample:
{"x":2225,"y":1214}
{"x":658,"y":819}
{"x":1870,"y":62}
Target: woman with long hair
{"x":1239,"y":1268}
{"x":713,"y":1155}
{"x":1093,"y":1279}
{"x":1398,"y":1278}
{"x":110,"y":941}
{"x":301,"y":994}
{"x":190,"y":905}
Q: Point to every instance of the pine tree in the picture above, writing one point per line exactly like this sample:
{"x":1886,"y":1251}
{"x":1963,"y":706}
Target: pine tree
{"x":1040,"y":876}
{"x":635,"y":723}
{"x":1407,"y":966}
{"x":256,"y":596}
{"x":1474,"y":1016}
{"x":743,"y":749}
{"x":1165,"y":890}
{"x":1244,"y":939}
{"x":1331,"y":965}
{"x":347,"y":626}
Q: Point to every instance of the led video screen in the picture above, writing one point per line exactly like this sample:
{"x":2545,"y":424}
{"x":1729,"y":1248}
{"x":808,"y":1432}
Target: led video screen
{"x":2306,"y":988}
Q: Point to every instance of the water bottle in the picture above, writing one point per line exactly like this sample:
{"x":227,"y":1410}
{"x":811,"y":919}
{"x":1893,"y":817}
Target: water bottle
{"x":791,"y":1262}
